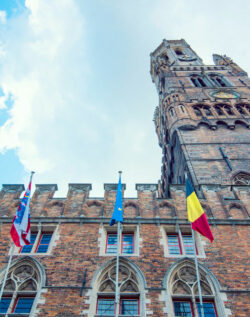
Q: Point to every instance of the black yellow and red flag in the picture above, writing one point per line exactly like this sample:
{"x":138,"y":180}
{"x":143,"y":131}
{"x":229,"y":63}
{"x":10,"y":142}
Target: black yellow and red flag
{"x":196,"y":214}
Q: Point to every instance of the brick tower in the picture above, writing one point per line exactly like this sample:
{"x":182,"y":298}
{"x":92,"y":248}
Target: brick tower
{"x":202,"y":120}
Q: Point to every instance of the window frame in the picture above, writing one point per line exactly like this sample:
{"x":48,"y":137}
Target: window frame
{"x":6,"y":296}
{"x":122,"y":297}
{"x":180,"y":232}
{"x":121,"y":247}
{"x":179,"y":244}
{"x":104,"y":297}
{"x":39,"y":234}
{"x":135,"y":298}
{"x":190,"y":301}
{"x":16,"y":302}
{"x":195,"y":244}
{"x":183,"y":300}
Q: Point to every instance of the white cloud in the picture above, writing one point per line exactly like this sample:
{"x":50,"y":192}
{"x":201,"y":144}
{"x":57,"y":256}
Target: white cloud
{"x":44,"y":69}
{"x":2,"y":17}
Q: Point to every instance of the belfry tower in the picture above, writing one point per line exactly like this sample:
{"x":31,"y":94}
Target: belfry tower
{"x":202,"y":120}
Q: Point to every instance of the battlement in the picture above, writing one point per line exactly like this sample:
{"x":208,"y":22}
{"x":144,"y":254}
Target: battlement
{"x":219,"y":202}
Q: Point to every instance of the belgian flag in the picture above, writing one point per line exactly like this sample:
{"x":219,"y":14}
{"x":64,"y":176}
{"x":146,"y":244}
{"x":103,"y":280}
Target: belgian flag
{"x":196,"y":214}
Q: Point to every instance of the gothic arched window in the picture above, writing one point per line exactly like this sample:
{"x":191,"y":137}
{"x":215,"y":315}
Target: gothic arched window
{"x":228,"y":110}
{"x":243,"y":109}
{"x":207,"y":111}
{"x":183,"y":296}
{"x":129,"y":289}
{"x":218,"y":80}
{"x":219,"y":110}
{"x":199,"y":81}
{"x":23,"y":282}
{"x":197,"y":111}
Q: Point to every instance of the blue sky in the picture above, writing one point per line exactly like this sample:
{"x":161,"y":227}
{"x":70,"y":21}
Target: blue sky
{"x":76,"y":98}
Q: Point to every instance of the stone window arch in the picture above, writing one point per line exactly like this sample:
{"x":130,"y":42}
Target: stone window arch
{"x":241,"y":179}
{"x":197,"y":111}
{"x":202,"y":110}
{"x":243,"y":109}
{"x":199,"y":81}
{"x":131,"y":286}
{"x":23,"y":287}
{"x":219,"y":109}
{"x":182,"y":291}
{"x":218,"y":80}
{"x":171,"y":112}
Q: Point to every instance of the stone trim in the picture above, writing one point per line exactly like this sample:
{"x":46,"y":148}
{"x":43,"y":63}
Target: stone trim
{"x":146,"y":187}
{"x":12,"y":188}
{"x":157,"y":221}
{"x":80,"y":186}
{"x":46,"y":187}
{"x":113,"y":186}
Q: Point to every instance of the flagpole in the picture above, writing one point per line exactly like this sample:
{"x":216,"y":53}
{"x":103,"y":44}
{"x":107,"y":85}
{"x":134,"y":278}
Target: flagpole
{"x":10,"y":258}
{"x":198,"y":276}
{"x":7,"y":270}
{"x":117,"y":271}
{"x":117,"y":295}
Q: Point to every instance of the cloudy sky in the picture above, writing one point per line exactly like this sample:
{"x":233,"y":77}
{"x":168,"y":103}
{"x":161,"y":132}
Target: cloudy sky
{"x":76,"y":97}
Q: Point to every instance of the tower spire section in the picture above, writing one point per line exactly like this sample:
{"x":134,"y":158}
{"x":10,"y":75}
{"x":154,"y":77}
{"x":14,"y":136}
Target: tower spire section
{"x":199,"y":112}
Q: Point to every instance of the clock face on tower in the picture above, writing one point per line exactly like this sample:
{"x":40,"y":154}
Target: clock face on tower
{"x":187,"y":58}
{"x":225,"y":94}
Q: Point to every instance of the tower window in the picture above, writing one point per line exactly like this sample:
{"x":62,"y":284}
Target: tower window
{"x":228,"y":110}
{"x":243,"y":109}
{"x":197,"y":112}
{"x":178,"y":52}
{"x":218,"y":80}
{"x":198,"y":81}
{"x":219,"y":110}
{"x":207,"y":111}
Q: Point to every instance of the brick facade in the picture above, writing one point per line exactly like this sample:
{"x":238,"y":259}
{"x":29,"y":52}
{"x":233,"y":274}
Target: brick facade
{"x":80,"y":223}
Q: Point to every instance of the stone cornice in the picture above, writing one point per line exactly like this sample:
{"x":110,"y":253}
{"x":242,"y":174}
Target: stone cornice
{"x":138,"y":220}
{"x":46,"y":187}
{"x":13,"y":187}
{"x":113,"y":186}
{"x":80,"y":186}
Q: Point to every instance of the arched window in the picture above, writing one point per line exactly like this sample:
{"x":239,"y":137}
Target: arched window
{"x":219,"y":110}
{"x":243,"y":109}
{"x":130,"y":290}
{"x":183,"y":296}
{"x":199,"y":81}
{"x":207,"y":110}
{"x":241,"y":179}
{"x":171,"y":111}
{"x":218,"y":80}
{"x":21,"y":287}
{"x":228,"y":110}
{"x":178,"y":51}
{"x":197,"y":112}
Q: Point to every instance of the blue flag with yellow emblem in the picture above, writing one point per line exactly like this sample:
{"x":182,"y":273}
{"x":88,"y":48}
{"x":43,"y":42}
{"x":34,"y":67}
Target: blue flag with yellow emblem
{"x":118,"y":211}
